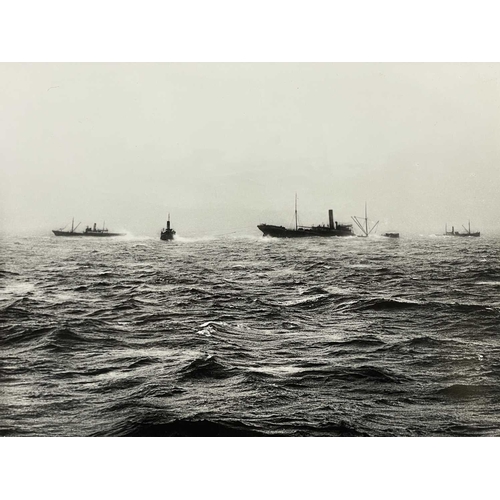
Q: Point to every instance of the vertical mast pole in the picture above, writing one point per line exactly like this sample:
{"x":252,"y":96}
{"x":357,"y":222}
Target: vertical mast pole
{"x":72,"y":223}
{"x":366,"y":220}
{"x":296,"y":223}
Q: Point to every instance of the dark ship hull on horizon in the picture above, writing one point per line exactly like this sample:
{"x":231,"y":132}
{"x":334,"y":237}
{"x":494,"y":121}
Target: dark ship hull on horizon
{"x":466,"y":233}
{"x":98,"y":233}
{"x":89,"y":231}
{"x":334,"y":229}
{"x":167,"y":235}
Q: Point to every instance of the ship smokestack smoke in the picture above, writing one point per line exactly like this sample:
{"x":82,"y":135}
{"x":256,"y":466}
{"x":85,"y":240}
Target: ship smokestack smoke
{"x":330,"y":216}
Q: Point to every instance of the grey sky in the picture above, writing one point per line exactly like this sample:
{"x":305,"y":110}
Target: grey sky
{"x":225,"y":146}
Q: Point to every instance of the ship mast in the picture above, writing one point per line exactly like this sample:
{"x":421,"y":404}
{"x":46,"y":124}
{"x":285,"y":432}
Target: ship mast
{"x":296,"y":223}
{"x":72,"y":223}
{"x":364,"y":229}
{"x":366,"y":220}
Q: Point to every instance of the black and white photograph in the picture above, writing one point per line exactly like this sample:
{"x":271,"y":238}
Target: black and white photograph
{"x":250,"y":249}
{"x":274,"y":249}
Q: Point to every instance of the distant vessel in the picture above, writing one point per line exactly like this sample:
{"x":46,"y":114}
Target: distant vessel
{"x":333,"y":229}
{"x":168,"y":233}
{"x":89,"y":231}
{"x":456,"y":233}
{"x":362,"y":223}
{"x":364,"y":226}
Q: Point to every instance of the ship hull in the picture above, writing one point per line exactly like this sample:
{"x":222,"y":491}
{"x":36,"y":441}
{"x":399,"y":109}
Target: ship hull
{"x":87,"y":234}
{"x":475,"y":235}
{"x":167,"y":235}
{"x":282,"y":232}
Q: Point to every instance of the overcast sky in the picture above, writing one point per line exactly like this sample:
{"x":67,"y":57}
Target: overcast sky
{"x":223,"y":147}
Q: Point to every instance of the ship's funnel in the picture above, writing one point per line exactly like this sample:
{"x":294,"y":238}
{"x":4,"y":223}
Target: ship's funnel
{"x":330,"y":216}
{"x":168,"y":224}
{"x":94,"y":226}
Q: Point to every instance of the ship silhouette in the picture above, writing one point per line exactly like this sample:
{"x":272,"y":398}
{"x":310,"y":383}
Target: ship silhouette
{"x":89,"y":231}
{"x":456,"y":233}
{"x":333,"y":229}
{"x":168,"y":233}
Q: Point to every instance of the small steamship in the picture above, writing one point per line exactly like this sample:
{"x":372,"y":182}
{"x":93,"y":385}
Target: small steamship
{"x":89,"y":231}
{"x":456,"y":233}
{"x":168,"y":233}
{"x":333,"y":229}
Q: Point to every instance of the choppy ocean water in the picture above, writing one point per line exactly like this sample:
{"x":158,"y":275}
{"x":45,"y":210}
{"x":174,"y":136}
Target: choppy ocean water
{"x":250,"y":336}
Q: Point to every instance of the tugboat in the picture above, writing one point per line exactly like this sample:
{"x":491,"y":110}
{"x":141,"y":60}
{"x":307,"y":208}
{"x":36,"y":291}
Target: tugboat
{"x":391,"y":235}
{"x":89,"y":231}
{"x":333,"y":229}
{"x":168,"y":233}
{"x":456,"y":233}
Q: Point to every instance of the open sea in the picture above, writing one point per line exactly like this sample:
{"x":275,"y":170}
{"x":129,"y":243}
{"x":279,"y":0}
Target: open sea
{"x":250,"y":336}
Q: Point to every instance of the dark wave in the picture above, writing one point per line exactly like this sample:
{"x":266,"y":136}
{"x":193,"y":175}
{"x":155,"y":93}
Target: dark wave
{"x":315,"y":290}
{"x":473,"y":430}
{"x":16,"y":307}
{"x":486,"y":273}
{"x":373,"y":374}
{"x":53,"y":338}
{"x":426,"y":341}
{"x":61,"y":338}
{"x":367,"y":373}
{"x":17,"y":335}
{"x":185,"y":428}
{"x":359,"y":343}
{"x":119,"y":385}
{"x":4,"y":272}
{"x":462,"y":391}
{"x":383,"y":304}
{"x":206,"y":368}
